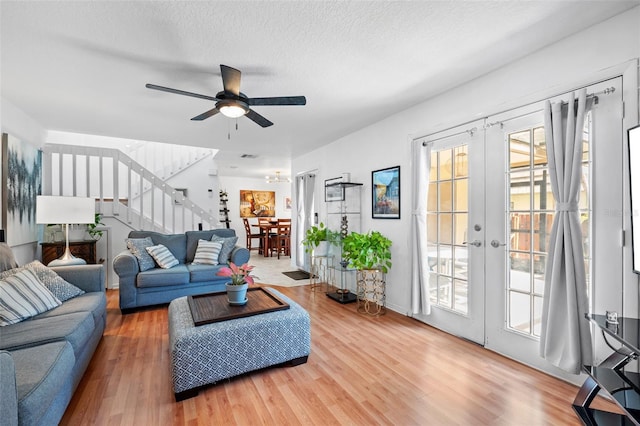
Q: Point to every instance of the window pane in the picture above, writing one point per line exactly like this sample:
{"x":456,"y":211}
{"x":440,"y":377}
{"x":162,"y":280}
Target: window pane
{"x":520,"y":191}
{"x":446,"y":164}
{"x":543,"y":197}
{"x":461,"y":162}
{"x":537,"y":315}
{"x":444,"y":292}
{"x":432,"y":197}
{"x":539,"y":147}
{"x":432,"y":228}
{"x":461,"y":296}
{"x":461,"y":195}
{"x":520,"y":271}
{"x":539,"y":265}
{"x":446,"y":196}
{"x":433,"y":171}
{"x":445,"y":236}
{"x":460,"y":228}
{"x":460,"y":263}
{"x":519,"y":149}
{"x":542,"y":223}
{"x":520,"y":231}
{"x":520,"y":312}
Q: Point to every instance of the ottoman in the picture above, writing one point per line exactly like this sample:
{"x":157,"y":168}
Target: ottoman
{"x":208,"y":353}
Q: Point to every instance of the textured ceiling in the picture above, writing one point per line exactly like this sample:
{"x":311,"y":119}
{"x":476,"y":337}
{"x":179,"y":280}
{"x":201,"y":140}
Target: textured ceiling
{"x":82,"y":66}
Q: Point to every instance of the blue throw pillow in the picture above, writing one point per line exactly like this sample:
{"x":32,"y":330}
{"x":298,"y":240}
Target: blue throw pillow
{"x":137,"y":247}
{"x":227,"y":247}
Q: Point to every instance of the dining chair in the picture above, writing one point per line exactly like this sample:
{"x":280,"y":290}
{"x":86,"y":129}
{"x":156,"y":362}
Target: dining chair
{"x":266,"y":227}
{"x":251,"y":235}
{"x":281,"y":241}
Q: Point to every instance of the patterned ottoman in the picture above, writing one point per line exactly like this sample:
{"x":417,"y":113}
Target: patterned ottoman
{"x":206,"y":354}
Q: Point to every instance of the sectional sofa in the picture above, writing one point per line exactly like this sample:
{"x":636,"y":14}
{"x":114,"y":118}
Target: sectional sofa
{"x":43,"y":358}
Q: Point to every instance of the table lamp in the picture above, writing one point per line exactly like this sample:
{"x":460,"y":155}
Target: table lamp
{"x":65,"y":211}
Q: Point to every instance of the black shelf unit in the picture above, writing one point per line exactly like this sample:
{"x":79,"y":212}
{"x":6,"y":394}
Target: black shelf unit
{"x":224,"y":211}
{"x":611,"y":377}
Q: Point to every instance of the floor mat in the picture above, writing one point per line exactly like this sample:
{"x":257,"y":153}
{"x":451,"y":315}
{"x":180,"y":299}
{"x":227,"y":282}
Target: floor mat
{"x":297,"y":275}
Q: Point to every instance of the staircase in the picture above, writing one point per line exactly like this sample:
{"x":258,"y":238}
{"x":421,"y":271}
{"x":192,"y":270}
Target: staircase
{"x":123,"y":188}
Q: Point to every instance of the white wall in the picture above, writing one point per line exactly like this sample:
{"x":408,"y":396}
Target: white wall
{"x":16,"y":122}
{"x":577,"y":60}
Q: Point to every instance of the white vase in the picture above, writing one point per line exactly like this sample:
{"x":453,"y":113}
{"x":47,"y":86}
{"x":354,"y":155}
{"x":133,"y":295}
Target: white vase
{"x":237,"y":294}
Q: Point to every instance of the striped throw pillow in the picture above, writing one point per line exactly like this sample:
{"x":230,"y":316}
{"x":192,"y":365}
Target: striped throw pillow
{"x":207,"y":252}
{"x":23,"y":296}
{"x":162,"y":256}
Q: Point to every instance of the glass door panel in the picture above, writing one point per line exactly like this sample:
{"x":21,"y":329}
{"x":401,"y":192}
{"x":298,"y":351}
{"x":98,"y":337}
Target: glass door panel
{"x":454,"y":219}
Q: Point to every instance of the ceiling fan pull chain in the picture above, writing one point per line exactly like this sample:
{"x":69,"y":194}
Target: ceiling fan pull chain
{"x":236,"y":124}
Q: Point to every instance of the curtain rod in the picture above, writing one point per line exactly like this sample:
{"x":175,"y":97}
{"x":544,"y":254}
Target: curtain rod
{"x":594,"y":96}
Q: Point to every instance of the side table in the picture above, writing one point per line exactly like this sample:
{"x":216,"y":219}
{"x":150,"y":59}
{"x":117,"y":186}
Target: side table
{"x":611,"y":377}
{"x":83,"y":249}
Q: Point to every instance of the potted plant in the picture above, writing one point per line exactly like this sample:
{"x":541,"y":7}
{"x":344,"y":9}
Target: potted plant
{"x":318,"y":238}
{"x":92,"y":230}
{"x":240,"y":279}
{"x":367,"y":251}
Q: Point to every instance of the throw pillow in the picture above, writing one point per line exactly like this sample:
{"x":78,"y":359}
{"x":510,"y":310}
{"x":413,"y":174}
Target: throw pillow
{"x":57,"y":285}
{"x":23,"y":296}
{"x":227,"y":247}
{"x":162,"y":256}
{"x":137,"y":247}
{"x":207,"y":252}
{"x":7,"y":261}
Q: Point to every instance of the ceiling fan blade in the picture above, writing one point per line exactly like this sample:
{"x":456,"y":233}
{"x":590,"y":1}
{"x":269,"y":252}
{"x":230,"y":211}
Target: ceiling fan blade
{"x":280,"y":100}
{"x":258,"y":119}
{"x":207,"y":114}
{"x":180,"y":92}
{"x":230,"y":79}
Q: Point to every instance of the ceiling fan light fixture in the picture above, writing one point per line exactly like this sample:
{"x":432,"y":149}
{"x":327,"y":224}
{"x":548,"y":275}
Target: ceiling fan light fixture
{"x":232,"y":109}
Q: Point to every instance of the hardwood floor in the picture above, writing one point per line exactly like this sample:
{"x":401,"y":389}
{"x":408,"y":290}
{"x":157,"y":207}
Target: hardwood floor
{"x":361,"y":371}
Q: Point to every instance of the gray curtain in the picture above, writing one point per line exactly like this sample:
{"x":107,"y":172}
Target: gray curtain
{"x":565,"y":338}
{"x":419,"y":263}
{"x":305,"y":193}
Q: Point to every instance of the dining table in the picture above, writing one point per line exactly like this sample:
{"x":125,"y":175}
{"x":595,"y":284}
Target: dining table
{"x":266,"y":226}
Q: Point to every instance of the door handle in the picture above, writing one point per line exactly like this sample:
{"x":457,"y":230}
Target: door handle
{"x":496,"y":243}
{"x":475,"y":243}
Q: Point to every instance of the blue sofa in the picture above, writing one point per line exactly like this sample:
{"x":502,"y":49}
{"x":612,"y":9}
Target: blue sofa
{"x":158,"y":286}
{"x":43,"y":358}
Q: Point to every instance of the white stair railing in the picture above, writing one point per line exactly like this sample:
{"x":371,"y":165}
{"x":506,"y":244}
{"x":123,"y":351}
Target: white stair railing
{"x":122,"y":188}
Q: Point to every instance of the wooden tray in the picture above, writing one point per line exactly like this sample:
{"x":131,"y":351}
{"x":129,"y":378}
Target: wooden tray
{"x":215,"y":307}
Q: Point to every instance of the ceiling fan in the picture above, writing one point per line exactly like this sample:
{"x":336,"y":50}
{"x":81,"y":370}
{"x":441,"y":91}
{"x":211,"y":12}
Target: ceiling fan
{"x":231,"y":102}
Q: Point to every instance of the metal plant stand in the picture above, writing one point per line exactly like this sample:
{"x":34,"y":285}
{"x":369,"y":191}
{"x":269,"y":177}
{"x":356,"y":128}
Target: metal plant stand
{"x":371,"y":292}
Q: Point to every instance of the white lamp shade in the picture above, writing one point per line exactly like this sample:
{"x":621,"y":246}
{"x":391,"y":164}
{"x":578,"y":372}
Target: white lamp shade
{"x":71,"y":210}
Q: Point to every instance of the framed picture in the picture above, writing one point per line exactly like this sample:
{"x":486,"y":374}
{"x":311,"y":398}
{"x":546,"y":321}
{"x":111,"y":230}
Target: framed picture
{"x":332,"y":190}
{"x":21,"y":182}
{"x":255,"y":203}
{"x":385,"y":197}
{"x":287,"y":203}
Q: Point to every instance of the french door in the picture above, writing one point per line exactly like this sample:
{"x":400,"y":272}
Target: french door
{"x":455,"y":231}
{"x":489,"y":215}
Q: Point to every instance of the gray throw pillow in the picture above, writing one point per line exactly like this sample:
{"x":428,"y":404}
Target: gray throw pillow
{"x":227,"y":247}
{"x":138,"y":248}
{"x":7,"y":261}
{"x":57,"y":285}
